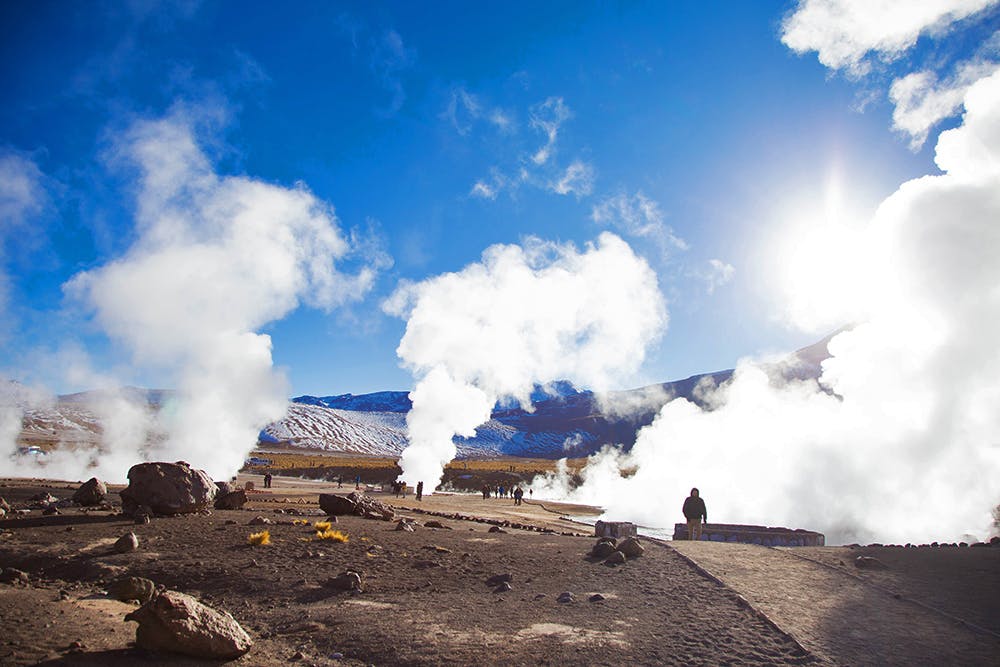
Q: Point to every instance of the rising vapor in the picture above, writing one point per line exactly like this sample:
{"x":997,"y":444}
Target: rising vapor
{"x":523,"y":315}
{"x":900,"y":438}
{"x":215,"y":259}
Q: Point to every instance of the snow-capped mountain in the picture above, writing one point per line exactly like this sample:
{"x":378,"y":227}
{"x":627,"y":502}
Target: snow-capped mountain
{"x":563,"y":421}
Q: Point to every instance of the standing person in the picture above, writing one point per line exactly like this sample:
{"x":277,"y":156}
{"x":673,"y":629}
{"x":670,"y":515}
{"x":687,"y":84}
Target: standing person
{"x":267,"y":480}
{"x":518,"y":494}
{"x":486,"y":491}
{"x":357,"y":482}
{"x":420,"y":490}
{"x":694,"y":511}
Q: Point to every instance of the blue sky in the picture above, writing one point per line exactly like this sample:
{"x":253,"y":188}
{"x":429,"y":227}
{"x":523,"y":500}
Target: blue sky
{"x":434,"y":131}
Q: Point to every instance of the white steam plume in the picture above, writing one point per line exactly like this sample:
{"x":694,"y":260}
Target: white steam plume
{"x":523,"y":315}
{"x":215,"y":258}
{"x":901,"y":442}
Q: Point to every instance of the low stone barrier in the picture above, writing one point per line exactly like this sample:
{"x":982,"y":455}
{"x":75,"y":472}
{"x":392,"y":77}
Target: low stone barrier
{"x":763,"y":535}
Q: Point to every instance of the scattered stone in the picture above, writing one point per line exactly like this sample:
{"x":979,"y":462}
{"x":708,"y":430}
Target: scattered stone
{"x":497,"y":529}
{"x":75,"y":647}
{"x":50,"y":511}
{"x":43,"y":499}
{"x":178,"y":623}
{"x":132,"y":588}
{"x":259,"y":521}
{"x":616,"y":558}
{"x":298,"y":655}
{"x":869,"y":563}
{"x":167,"y":488}
{"x":498,"y":579}
{"x":540,"y":596}
{"x":141,"y":519}
{"x":346,"y":581}
{"x":437,"y":549}
{"x":436,"y":524}
{"x":230,"y":522}
{"x":12,"y":575}
{"x":234,"y":500}
{"x":596,"y":597}
{"x":502,"y":588}
{"x":630,"y":547}
{"x":405,"y":524}
{"x":3,"y":505}
{"x":126,"y":543}
{"x":602,"y":549}
{"x":92,"y":492}
{"x":565,"y":596}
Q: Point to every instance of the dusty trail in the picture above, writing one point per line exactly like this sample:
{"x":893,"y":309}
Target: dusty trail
{"x":843,"y":617}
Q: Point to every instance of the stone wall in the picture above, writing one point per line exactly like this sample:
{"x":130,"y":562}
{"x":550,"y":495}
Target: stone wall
{"x":763,"y":535}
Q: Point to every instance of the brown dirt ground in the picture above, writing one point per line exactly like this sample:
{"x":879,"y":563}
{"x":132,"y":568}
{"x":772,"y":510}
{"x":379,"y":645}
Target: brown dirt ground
{"x":425,"y":599}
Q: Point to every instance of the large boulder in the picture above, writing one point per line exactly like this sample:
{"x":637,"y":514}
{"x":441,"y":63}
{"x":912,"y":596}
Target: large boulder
{"x":225,"y":487}
{"x":355,"y":503}
{"x":132,"y":588}
{"x":631,"y":547}
{"x":92,"y":492}
{"x":178,"y":623}
{"x":231,"y":501}
{"x":167,"y":488}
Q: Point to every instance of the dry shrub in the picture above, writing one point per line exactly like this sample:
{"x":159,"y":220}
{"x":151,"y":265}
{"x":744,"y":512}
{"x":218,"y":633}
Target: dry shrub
{"x":259,"y":539}
{"x":322,"y":526}
{"x":300,"y":522}
{"x":333,"y":535}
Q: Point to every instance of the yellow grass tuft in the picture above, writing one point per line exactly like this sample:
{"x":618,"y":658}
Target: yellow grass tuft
{"x":300,"y":522}
{"x":259,"y":539}
{"x":334,"y":535}
{"x":322,"y":526}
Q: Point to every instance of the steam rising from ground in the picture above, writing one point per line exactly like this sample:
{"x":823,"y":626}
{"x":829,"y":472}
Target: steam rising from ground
{"x":215,"y":259}
{"x":900,"y":441}
{"x":523,"y":315}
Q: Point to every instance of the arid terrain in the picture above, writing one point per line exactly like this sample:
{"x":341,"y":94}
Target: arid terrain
{"x":425,"y":599}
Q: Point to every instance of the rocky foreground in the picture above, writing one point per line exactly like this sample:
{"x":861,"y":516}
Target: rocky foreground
{"x":426,"y":588}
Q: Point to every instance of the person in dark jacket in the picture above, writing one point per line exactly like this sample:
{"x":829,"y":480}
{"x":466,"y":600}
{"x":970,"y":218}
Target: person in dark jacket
{"x":694,"y":511}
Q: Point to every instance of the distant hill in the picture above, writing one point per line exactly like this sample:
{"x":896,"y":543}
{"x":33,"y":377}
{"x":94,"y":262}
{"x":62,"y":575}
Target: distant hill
{"x":564,"y":420}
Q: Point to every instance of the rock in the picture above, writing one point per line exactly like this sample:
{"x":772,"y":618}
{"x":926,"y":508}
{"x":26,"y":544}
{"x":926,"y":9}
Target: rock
{"x":50,"y":511}
{"x":178,"y":623}
{"x":596,"y":597}
{"x":565,"y":597}
{"x":498,"y":579}
{"x":355,"y":503}
{"x":141,"y":519}
{"x":602,"y":550}
{"x":234,"y":500}
{"x":43,"y":499}
{"x":222,"y":488}
{"x":437,"y":524}
{"x":630,"y":547}
{"x":869,"y":563}
{"x":497,"y":529}
{"x":405,"y":524}
{"x":126,"y":543}
{"x":4,"y":506}
{"x":12,"y":575}
{"x":346,"y":581}
{"x":167,"y":488}
{"x":259,"y":521}
{"x":132,"y":588}
{"x":502,"y":588}
{"x":616,"y":558}
{"x":92,"y":492}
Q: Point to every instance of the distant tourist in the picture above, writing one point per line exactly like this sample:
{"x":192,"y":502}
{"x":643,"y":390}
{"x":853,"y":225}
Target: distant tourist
{"x":267,"y":480}
{"x":357,"y":482}
{"x":695,"y":512}
{"x":486,"y":491}
{"x":420,"y":490}
{"x":518,"y":494}
{"x":531,"y":492}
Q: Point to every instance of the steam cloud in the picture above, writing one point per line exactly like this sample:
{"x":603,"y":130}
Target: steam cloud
{"x":523,"y":315}
{"x":215,"y":259}
{"x":899,"y":441}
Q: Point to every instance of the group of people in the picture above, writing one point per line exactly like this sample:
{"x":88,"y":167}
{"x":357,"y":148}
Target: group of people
{"x":399,"y":489}
{"x":517,"y":493}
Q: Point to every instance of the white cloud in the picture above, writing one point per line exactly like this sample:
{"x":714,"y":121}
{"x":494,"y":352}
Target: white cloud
{"x":547,"y":117}
{"x":578,"y":179}
{"x":718,"y":274}
{"x":23,"y":197}
{"x":523,"y":315}
{"x":215,"y":259}
{"x":464,"y":109}
{"x":844,"y":32}
{"x":483,"y":191}
{"x":637,"y":215}
{"x":921,"y":101}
